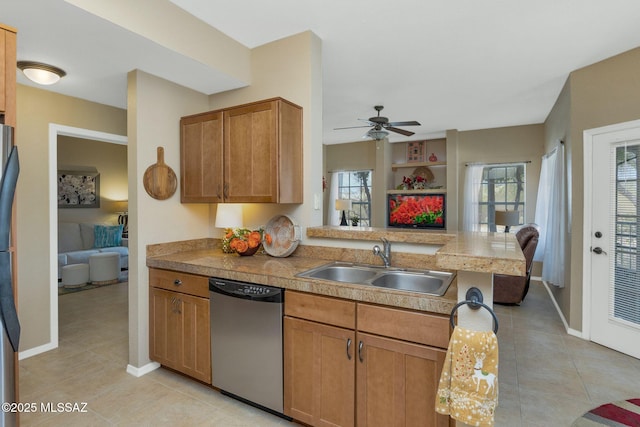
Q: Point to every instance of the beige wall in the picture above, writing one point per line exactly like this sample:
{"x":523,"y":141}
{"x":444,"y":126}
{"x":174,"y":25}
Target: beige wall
{"x":557,"y":127}
{"x":36,"y":110}
{"x":601,"y":94}
{"x":155,"y":108}
{"x":289,"y":68}
{"x":110,"y":161}
{"x":502,"y":145}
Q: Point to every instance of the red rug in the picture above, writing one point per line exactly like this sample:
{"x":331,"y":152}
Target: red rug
{"x":616,"y":414}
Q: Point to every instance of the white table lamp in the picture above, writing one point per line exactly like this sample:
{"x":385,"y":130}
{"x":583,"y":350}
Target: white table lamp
{"x":343,"y":205}
{"x":229,"y":215}
{"x":507,"y":219}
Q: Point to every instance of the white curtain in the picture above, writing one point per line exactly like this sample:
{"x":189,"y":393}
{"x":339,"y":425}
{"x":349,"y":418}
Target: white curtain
{"x":471,"y":212}
{"x":551,"y":217}
{"x":333,"y":216}
{"x":542,"y":202}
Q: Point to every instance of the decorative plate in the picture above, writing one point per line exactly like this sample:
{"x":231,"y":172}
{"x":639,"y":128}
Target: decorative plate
{"x":285,"y":236}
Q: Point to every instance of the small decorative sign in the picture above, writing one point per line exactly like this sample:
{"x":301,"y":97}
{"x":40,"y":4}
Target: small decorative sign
{"x":415,"y":151}
{"x":78,"y":189}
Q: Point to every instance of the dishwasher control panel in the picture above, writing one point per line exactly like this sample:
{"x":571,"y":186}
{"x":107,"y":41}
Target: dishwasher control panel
{"x":246,"y":290}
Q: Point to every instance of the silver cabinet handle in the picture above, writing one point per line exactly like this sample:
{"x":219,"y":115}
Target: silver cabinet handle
{"x":178,"y":306}
{"x":218,"y":192}
{"x":177,"y":282}
{"x":349,"y":348}
{"x":360,"y":345}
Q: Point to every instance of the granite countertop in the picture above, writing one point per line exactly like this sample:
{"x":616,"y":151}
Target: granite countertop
{"x":497,"y":253}
{"x":478,"y":252}
{"x":281,"y":272}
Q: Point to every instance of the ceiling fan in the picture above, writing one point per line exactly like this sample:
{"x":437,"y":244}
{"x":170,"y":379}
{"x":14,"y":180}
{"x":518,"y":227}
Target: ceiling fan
{"x":381,"y":124}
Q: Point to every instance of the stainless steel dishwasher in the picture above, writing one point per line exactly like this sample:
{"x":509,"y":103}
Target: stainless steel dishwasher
{"x":246,"y":342}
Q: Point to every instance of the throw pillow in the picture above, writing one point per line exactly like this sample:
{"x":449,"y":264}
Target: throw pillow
{"x":107,"y":236}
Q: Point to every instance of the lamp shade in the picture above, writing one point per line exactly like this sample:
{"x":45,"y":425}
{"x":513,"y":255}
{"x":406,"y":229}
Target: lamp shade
{"x":377,"y":134}
{"x":121,"y":206}
{"x":507,"y":218}
{"x":229,"y":215}
{"x":343,"y":204}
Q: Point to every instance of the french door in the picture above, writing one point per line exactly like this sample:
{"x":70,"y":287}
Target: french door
{"x":614,"y":251}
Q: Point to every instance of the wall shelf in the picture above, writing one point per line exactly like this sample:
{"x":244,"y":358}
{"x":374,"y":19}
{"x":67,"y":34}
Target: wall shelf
{"x":425,"y":191}
{"x":395,"y":166}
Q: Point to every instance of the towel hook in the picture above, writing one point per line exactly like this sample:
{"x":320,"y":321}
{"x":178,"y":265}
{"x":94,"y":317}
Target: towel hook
{"x":473,"y":299}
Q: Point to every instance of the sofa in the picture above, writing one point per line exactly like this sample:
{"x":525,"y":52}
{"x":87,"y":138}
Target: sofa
{"x":77,"y":242}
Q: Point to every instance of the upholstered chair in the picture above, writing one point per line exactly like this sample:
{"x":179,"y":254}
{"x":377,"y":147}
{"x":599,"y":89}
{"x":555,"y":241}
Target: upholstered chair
{"x":513,"y":289}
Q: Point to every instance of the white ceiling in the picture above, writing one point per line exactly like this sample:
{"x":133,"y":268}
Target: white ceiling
{"x":457,"y":64}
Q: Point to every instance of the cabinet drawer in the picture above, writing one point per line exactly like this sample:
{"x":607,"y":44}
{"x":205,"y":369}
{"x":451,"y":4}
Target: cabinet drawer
{"x":423,"y":328}
{"x":321,"y":309}
{"x":179,"y":282}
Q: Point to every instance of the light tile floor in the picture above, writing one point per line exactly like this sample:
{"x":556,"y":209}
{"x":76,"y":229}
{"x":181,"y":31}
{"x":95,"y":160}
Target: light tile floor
{"x":547,"y":378}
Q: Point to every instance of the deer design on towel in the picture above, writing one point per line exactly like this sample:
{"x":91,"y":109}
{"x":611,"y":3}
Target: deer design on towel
{"x":480,"y":375}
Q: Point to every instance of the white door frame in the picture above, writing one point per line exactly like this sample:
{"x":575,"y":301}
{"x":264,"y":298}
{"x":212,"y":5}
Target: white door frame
{"x":588,"y":138}
{"x":55,"y":131}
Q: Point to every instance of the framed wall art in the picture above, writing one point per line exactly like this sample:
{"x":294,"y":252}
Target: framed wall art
{"x":78,"y":189}
{"x":415,"y":152}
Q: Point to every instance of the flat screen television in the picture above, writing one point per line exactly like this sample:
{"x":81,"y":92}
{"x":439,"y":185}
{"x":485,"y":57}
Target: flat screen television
{"x":416,"y":210}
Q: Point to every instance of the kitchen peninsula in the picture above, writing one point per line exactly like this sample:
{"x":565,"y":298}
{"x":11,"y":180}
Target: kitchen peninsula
{"x":402,"y":336}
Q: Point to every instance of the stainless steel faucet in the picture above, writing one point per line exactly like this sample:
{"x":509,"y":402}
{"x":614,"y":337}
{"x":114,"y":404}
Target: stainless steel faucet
{"x":384,"y":253}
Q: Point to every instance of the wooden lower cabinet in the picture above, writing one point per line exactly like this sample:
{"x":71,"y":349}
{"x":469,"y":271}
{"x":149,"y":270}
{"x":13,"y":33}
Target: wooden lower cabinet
{"x":381,"y":370}
{"x":397,"y":383}
{"x":179,"y":332}
{"x":319,"y":366}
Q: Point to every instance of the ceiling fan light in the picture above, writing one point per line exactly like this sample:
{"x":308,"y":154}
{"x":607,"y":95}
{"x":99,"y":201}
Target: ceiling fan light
{"x":40,"y":73}
{"x":377,"y":134}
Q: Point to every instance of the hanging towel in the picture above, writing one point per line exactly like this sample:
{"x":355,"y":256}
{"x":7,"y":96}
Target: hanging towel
{"x":468,"y":388}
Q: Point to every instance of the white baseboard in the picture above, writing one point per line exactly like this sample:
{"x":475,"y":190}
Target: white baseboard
{"x":143,"y":370}
{"x":570,"y":331}
{"x":37,"y":350}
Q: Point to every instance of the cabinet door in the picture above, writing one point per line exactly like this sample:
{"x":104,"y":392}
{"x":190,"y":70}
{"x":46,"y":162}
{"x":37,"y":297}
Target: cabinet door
{"x":179,"y":335}
{"x":397,"y":383}
{"x":319,"y":373}
{"x":8,"y":74}
{"x":251,"y":153}
{"x":164,"y":328}
{"x":196,"y":337}
{"x":201,"y":158}
{"x":3,"y":69}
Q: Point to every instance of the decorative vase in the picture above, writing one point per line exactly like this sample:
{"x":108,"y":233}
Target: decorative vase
{"x":433,"y":158}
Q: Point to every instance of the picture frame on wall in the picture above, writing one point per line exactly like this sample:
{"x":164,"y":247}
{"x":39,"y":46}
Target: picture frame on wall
{"x":78,"y":189}
{"x":415,"y":151}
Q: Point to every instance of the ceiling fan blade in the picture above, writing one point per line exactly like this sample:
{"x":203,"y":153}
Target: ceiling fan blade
{"x":401,"y":131}
{"x":351,"y":127}
{"x":410,"y":123}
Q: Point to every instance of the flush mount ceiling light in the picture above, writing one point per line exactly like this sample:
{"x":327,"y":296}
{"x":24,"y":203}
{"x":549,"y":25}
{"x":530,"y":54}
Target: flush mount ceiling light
{"x":40,"y":73}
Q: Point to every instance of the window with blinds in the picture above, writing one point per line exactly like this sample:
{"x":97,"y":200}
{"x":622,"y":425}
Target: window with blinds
{"x":626,"y":278}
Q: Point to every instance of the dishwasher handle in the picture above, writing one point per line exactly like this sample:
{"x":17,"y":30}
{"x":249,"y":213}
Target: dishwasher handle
{"x":249,"y":291}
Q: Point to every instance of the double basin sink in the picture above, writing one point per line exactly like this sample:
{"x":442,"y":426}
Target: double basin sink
{"x":421,"y":281}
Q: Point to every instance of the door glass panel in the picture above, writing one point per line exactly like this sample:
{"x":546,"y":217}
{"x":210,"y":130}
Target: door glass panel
{"x":625,"y":305}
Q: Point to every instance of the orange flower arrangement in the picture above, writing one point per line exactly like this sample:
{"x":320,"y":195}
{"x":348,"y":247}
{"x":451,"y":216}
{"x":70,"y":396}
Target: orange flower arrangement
{"x":244,"y":241}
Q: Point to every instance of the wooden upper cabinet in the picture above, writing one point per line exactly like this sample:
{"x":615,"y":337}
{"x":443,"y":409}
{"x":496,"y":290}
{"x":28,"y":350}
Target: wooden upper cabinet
{"x":201,"y":158}
{"x":8,"y":74}
{"x":263,"y":152}
{"x":246,"y":154}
